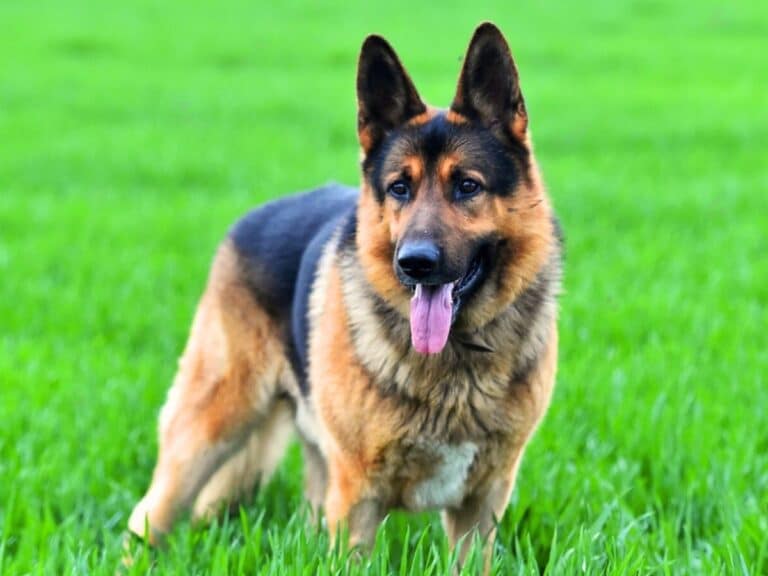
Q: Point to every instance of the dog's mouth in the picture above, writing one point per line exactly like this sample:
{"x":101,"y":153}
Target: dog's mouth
{"x":434,"y":308}
{"x":471,"y":280}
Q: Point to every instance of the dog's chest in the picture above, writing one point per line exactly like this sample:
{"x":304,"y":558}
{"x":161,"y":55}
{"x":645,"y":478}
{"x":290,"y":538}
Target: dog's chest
{"x":437,"y":474}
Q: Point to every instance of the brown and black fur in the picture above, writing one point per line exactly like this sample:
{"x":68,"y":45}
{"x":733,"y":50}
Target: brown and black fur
{"x":304,"y":322}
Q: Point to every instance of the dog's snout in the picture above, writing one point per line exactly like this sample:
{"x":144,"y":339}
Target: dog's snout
{"x":419,"y":259}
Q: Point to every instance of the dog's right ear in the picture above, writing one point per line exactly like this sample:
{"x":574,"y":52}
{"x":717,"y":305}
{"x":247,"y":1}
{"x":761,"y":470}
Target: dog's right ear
{"x":386,"y":96}
{"x":489,"y":87}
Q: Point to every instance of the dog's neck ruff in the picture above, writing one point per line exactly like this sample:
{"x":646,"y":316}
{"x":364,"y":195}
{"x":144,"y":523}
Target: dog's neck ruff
{"x":382,"y":339}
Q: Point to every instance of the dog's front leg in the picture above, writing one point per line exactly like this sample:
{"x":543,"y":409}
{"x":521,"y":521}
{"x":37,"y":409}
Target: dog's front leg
{"x":477,"y":516}
{"x":351,"y":505}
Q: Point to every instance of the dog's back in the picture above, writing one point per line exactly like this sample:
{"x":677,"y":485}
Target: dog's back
{"x":278,"y":245}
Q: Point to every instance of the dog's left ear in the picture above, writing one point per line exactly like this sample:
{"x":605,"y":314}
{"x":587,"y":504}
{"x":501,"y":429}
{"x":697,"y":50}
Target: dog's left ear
{"x":489,"y":88}
{"x":386,"y":96}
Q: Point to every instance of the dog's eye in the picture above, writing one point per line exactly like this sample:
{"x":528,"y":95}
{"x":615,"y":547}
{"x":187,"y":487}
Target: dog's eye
{"x":400,"y":190}
{"x":467,"y":188}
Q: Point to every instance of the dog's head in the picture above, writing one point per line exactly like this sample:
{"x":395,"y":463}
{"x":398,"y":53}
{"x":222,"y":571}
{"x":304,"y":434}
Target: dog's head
{"x":453,"y":221}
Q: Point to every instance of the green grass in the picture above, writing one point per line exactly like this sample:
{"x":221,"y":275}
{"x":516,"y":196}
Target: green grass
{"x":132,"y":134}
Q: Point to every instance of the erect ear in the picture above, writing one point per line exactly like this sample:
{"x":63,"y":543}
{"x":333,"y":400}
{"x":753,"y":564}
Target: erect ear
{"x":489,"y":89}
{"x":386,"y":96}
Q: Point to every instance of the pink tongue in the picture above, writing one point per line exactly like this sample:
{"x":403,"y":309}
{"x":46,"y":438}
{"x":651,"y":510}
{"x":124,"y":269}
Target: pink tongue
{"x":431,"y":311}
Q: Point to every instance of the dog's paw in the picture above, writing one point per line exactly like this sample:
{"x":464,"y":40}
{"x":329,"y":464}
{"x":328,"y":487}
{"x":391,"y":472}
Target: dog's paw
{"x":139,"y":525}
{"x":135,"y":554}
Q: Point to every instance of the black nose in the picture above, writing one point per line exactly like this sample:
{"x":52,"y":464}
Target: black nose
{"x":419,"y":259}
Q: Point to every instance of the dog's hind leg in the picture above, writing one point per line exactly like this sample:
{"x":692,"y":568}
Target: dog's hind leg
{"x":253,"y":464}
{"x":315,"y":478}
{"x":225,"y":390}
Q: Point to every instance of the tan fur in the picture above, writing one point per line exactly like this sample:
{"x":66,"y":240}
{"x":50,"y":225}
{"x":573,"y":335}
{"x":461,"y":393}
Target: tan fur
{"x":455,"y":118}
{"x":376,"y":249}
{"x":424,"y":117}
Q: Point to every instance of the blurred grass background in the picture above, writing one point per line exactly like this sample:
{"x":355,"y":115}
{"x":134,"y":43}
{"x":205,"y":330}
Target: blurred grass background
{"x":133,"y":134}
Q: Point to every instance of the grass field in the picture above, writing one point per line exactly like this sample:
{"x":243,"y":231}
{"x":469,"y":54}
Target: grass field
{"x":133,"y":134}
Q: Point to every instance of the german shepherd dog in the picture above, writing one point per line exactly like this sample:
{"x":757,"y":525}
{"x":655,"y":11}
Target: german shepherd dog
{"x":406,"y":330}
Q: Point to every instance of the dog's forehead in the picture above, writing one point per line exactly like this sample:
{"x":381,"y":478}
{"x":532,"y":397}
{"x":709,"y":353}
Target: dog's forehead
{"x":427,"y":143}
{"x":434,"y":138}
{"x":431,"y":140}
